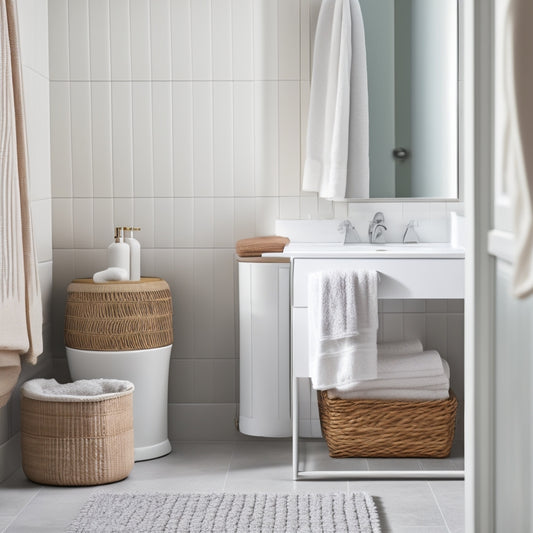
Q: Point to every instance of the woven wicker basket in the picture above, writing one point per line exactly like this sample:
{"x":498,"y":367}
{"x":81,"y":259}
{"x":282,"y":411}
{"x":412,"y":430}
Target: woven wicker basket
{"x":118,"y":316}
{"x":387,"y":428}
{"x":77,"y":443}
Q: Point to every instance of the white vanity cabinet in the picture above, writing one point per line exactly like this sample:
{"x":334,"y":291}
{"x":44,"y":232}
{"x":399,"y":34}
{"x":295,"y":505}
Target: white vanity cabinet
{"x":426,"y":274}
{"x":423,"y":278}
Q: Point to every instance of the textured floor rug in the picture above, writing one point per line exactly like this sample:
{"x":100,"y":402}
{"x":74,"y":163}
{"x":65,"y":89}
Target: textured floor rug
{"x":219,"y":513}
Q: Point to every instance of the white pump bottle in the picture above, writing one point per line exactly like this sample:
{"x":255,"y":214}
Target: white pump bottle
{"x":118,"y":253}
{"x":135,"y":254}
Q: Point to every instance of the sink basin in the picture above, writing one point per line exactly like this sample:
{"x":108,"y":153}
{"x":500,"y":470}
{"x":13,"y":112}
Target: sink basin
{"x":365,"y":249}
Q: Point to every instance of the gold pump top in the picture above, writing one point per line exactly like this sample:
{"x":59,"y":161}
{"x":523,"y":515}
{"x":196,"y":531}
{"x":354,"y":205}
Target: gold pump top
{"x":129,"y":228}
{"x":119,"y":233}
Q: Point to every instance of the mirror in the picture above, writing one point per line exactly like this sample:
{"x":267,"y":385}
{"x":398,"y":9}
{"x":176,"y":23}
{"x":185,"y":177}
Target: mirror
{"x":412,"y":61}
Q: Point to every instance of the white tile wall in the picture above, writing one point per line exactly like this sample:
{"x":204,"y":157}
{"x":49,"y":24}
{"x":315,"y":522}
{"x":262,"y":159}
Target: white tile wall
{"x":185,"y":117}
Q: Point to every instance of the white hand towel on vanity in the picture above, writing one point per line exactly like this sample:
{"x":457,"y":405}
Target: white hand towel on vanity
{"x":343,"y":322}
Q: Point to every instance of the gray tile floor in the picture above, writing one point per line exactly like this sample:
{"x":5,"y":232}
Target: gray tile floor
{"x":251,"y":466}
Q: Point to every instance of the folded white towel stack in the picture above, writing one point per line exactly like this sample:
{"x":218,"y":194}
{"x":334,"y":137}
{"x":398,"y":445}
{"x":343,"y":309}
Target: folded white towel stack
{"x":343,"y":322}
{"x":417,"y":376}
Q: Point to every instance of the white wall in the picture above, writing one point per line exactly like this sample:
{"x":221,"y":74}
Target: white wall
{"x":185,"y":117}
{"x":33,"y":30}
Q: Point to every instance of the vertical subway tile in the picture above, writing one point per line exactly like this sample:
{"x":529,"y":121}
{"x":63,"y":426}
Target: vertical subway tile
{"x":305,"y":51}
{"x":143,"y":180}
{"x":392,"y":306}
{"x":184,"y":307}
{"x":289,"y":39}
{"x":436,"y":332}
{"x":162,"y":138}
{"x":325,"y":208}
{"x":99,"y":40}
{"x":340,"y":210}
{"x":265,"y":29}
{"x":101,"y":118}
{"x":201,"y":39}
{"x":243,"y":39}
{"x":436,"y":306}
{"x":266,"y":149}
{"x":148,"y":266}
{"x":244,"y":218}
{"x":62,"y":223}
{"x":203,"y":138}
{"x":141,"y":40}
{"x":182,"y":138}
{"x":81,"y":138}
{"x":119,"y":23}
{"x":243,"y":139}
{"x":223,"y":232}
{"x":392,"y":326}
{"x":163,"y":223}
{"x":309,"y":206}
{"x":83,"y":222}
{"x":60,"y":139}
{"x":414,"y":327}
{"x":204,"y":338}
{"x":221,"y":35}
{"x":102,"y":222}
{"x":414,"y":306}
{"x":223,"y":138}
{"x":304,"y":111}
{"x":183,"y":222}
{"x":122,"y":214}
{"x":143,"y":215}
{"x":58,"y":32}
{"x":223,"y":305}
{"x":203,"y":229}
{"x":289,"y":208}
{"x":455,"y":306}
{"x":41,"y":214}
{"x":181,"y":381}
{"x":266,"y":213}
{"x":46,"y":281}
{"x":289,"y":138}
{"x":180,"y":22}
{"x":121,"y":109}
{"x":164,"y":266}
{"x":78,"y":24}
{"x":87,"y":262}
{"x":160,"y":45}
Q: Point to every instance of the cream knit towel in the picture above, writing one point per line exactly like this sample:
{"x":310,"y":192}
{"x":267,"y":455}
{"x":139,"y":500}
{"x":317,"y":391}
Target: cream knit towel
{"x":20,"y":295}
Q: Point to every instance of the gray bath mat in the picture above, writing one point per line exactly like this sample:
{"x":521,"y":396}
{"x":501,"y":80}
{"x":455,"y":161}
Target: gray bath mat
{"x":219,"y":513}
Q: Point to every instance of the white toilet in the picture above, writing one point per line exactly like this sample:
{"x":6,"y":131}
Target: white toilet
{"x":148,"y":371}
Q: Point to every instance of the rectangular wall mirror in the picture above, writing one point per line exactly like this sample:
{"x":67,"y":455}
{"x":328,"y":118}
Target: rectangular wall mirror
{"x":412,"y":56}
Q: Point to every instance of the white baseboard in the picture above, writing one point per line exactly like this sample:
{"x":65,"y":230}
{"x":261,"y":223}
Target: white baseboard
{"x":10,"y":457}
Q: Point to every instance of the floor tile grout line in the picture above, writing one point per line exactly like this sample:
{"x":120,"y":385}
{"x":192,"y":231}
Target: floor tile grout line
{"x":438,"y":505}
{"x":17,"y":516}
{"x":228,"y":469}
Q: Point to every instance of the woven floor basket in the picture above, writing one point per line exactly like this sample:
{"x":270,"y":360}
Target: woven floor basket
{"x":118,"y":316}
{"x":387,"y":428}
{"x":77,"y":443}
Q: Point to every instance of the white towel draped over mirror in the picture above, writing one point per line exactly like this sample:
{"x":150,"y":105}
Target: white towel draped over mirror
{"x":337,"y":128}
{"x":20,"y":295}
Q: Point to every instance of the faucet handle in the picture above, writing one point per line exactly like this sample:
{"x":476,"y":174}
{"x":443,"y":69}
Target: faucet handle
{"x":350,"y":233}
{"x":410,"y":236}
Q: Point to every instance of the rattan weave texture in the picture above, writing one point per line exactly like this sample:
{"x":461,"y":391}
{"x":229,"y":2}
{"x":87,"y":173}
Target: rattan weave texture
{"x":119,"y":316}
{"x":77,"y":443}
{"x":387,"y":428}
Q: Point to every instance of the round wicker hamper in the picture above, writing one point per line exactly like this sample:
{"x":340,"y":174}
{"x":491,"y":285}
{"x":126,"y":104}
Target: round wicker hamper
{"x":75,"y":443}
{"x":118,"y":316}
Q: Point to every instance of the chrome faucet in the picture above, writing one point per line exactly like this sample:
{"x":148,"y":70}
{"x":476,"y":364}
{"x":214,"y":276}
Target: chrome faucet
{"x":409,"y":235}
{"x":377,"y":228}
{"x":350,"y":233}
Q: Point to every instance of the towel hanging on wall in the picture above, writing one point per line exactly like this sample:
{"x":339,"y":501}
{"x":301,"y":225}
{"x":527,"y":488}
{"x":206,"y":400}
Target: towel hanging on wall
{"x":337,"y":128}
{"x":20,"y":295}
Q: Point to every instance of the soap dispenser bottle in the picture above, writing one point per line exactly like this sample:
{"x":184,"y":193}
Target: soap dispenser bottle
{"x":118,"y":252}
{"x":135,"y":254}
